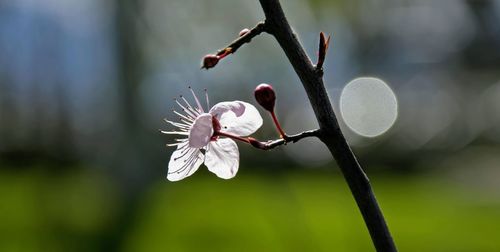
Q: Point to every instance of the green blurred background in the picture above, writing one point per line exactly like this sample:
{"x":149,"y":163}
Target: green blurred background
{"x":85,"y":84}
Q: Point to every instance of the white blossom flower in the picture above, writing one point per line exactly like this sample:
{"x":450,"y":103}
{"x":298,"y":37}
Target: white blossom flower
{"x":207,"y":137}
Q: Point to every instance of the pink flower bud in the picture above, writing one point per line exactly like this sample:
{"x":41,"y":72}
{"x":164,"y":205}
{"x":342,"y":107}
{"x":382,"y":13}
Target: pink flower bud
{"x":209,"y":61}
{"x":244,"y":31}
{"x":265,"y":96}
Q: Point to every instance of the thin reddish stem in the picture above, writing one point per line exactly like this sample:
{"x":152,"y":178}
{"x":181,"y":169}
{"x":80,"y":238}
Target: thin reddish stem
{"x":219,"y":133}
{"x":278,"y":126}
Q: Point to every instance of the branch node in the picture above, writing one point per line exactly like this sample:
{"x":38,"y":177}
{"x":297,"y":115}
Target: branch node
{"x":271,"y":144}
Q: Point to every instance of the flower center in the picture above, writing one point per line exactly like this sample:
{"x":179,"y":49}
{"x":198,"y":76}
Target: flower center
{"x":217,"y":127}
{"x":201,"y":131}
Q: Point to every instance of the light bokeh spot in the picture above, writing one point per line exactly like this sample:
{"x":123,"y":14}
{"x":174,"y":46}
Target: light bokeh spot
{"x":368,"y":106}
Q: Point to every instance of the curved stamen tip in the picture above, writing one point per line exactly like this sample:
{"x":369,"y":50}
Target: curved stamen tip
{"x":205,"y":89}
{"x":180,"y":96}
{"x":189,"y":87}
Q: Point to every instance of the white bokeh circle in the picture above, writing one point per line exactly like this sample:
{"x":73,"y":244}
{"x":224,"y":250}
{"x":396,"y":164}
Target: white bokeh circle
{"x":368,"y":106}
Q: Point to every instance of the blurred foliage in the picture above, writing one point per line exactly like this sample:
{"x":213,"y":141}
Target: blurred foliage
{"x":297,"y":211}
{"x":43,"y":211}
{"x":310,"y":212}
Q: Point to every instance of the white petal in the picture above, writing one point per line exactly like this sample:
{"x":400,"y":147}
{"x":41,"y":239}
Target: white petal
{"x":237,"y":117}
{"x":222,"y":158}
{"x":201,"y":131}
{"x":184,"y":162}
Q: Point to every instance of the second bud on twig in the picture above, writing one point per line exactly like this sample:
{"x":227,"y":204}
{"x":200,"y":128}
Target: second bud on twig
{"x":265,"y":96}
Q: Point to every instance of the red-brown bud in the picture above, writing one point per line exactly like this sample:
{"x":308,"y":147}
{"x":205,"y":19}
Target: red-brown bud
{"x":209,"y":61}
{"x":265,"y":96}
{"x":244,"y":31}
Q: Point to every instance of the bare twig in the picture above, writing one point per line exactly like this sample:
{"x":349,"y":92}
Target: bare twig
{"x":245,"y":38}
{"x":282,"y":141}
{"x":211,"y":60}
{"x":330,"y":133}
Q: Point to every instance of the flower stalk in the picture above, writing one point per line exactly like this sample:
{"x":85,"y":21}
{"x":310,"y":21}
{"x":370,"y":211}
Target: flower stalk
{"x":234,"y":137}
{"x":266,"y":97}
{"x":278,"y":126}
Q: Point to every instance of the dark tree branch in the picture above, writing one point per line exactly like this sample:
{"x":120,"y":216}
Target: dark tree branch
{"x":330,"y":133}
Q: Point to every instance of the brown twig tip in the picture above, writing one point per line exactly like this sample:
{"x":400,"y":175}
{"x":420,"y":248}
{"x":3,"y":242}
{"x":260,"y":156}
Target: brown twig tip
{"x":209,"y":61}
{"x":323,"y":49}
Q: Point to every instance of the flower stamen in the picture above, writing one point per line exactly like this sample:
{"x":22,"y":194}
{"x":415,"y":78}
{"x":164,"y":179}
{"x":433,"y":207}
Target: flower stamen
{"x":183,"y":116}
{"x":206,"y":97}
{"x":188,"y":162}
{"x":200,"y":108}
{"x":183,"y":152}
{"x":191,"y":108}
{"x":179,"y":125}
{"x":184,"y":133}
{"x":185,"y":109}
